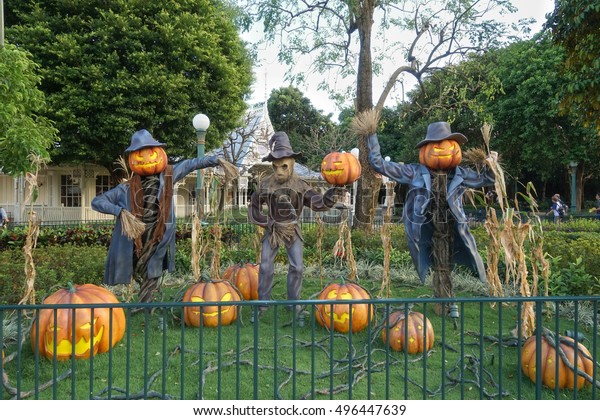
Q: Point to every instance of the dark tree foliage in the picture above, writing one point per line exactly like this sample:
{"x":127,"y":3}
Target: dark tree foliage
{"x":112,"y":67}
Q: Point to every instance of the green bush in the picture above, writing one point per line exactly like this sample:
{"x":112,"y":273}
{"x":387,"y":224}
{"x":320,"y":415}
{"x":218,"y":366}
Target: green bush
{"x":55,"y":266}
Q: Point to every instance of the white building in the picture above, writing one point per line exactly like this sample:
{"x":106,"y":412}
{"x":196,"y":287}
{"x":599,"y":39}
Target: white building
{"x":65,"y":192}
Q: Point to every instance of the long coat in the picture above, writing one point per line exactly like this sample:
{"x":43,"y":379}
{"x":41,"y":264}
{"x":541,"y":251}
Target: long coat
{"x":119,"y":261}
{"x":417,"y":216}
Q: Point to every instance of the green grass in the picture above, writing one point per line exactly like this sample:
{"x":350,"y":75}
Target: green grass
{"x":275,"y":359}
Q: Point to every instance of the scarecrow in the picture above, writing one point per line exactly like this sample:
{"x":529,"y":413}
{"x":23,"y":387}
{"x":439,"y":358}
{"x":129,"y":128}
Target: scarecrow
{"x":435,"y":222}
{"x":143,"y":239}
{"x":285,"y":195}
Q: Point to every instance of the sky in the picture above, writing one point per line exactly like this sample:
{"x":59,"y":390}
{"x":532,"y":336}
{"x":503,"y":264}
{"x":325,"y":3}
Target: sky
{"x":270,"y":75}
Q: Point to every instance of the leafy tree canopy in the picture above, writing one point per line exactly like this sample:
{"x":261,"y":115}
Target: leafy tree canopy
{"x":514,"y":89}
{"x":292,"y":112}
{"x":24,"y":134}
{"x":110,"y":68}
{"x":574,"y":25}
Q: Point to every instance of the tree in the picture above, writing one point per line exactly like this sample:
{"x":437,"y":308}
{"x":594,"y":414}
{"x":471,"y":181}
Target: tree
{"x":574,"y":25}
{"x":292,"y":112}
{"x":25,"y":135}
{"x":515,"y":89}
{"x":339,"y":35}
{"x":110,"y":68}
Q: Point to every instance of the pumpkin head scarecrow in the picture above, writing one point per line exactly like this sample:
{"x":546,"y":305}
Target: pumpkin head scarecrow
{"x":436,"y":225}
{"x":285,"y":195}
{"x":147,"y":197}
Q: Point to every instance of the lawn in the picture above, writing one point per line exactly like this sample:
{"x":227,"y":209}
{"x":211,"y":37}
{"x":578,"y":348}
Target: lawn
{"x":159,"y":357}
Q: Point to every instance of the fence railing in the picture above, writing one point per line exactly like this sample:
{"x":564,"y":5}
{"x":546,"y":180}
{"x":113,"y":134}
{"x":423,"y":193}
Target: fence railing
{"x":474,"y":352}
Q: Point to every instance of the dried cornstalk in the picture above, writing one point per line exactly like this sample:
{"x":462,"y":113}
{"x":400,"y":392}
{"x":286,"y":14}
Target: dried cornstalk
{"x":509,"y":236}
{"x":386,"y":239}
{"x":196,"y":244}
{"x":320,"y":234}
{"x":33,"y":230}
{"x":492,"y":226}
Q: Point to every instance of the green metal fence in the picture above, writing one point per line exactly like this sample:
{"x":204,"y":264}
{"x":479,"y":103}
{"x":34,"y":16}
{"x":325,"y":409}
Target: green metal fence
{"x":475,"y":353}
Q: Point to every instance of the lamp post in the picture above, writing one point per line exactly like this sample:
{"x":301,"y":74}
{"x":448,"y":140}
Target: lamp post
{"x":201,"y":124}
{"x":573,"y":170}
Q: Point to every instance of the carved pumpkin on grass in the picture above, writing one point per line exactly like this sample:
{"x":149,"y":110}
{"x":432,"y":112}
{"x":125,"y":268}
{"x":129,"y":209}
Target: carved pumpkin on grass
{"x":340,"y":168}
{"x":444,"y":154}
{"x":220,"y":291}
{"x":360,"y":313}
{"x":549,"y":358}
{"x":148,"y":161}
{"x":245,"y":278}
{"x":420,"y":332}
{"x":85,"y":330}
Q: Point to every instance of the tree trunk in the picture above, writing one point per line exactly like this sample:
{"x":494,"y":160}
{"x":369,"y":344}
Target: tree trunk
{"x":368,"y":184}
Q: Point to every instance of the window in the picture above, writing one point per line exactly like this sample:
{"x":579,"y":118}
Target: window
{"x":102,"y":184}
{"x":70,"y":191}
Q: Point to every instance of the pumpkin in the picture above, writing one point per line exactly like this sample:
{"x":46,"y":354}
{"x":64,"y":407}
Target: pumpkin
{"x":148,"y":161}
{"x":341,"y":311}
{"x":420,"y":332}
{"x":444,"y":154}
{"x":75,"y":329}
{"x":245,"y":278}
{"x":340,"y":168}
{"x":210,"y":291}
{"x":566,"y":377}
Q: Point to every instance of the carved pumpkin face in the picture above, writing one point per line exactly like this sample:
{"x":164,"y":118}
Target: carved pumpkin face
{"x":420,"y":332}
{"x":340,"y":168}
{"x":444,"y":154}
{"x":86,"y":331}
{"x":245,"y":279}
{"x":210,"y":315}
{"x":566,"y":376}
{"x":341,"y":312}
{"x":148,"y":161}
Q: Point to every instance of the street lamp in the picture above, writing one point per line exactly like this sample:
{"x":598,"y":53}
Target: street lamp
{"x":573,"y":170}
{"x":201,"y":124}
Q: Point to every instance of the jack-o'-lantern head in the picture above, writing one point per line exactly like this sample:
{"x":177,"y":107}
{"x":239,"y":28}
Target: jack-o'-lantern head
{"x":340,"y":168}
{"x":219,"y":292}
{"x":80,"y":332}
{"x":340,"y":316}
{"x":146,"y":155}
{"x":440,"y":150}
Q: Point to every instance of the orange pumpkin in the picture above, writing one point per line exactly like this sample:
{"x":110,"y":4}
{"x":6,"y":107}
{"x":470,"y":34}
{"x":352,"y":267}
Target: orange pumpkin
{"x":210,"y":291}
{"x":340,"y":168}
{"x":75,"y":329}
{"x":340,"y":312}
{"x":444,"y":154}
{"x":420,"y":332}
{"x":148,"y":161}
{"x":245,"y":278}
{"x":566,"y":377}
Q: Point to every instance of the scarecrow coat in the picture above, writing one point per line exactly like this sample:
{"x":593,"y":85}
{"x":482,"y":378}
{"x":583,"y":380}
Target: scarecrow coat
{"x":417,"y":217}
{"x":119,"y":261}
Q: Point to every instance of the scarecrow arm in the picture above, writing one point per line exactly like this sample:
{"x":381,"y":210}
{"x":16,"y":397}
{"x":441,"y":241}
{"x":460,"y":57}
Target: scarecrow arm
{"x":399,"y":172}
{"x":254,"y":214}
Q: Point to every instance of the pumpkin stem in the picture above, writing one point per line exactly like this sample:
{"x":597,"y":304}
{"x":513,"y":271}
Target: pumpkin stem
{"x":71,"y":287}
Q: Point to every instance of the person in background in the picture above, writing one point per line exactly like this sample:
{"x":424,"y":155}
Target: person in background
{"x":3,"y":217}
{"x":557,"y":209}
